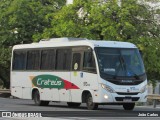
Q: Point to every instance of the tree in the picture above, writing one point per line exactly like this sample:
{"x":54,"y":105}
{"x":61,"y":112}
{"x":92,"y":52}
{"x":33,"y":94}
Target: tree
{"x":131,"y":21}
{"x":21,"y":21}
{"x":66,"y":22}
{"x":106,"y":20}
{"x":5,"y":54}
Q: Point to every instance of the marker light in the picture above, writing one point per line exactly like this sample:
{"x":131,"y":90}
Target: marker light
{"x":108,"y":88}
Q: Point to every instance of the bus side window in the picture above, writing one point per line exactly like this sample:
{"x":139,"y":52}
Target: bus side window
{"x":76,"y":61}
{"x":89,"y":62}
{"x":33,"y":60}
{"x":48,"y":59}
{"x":63,"y":59}
{"x":19,"y":60}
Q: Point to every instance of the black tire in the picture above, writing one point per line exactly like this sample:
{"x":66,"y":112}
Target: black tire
{"x":37,"y":101}
{"x":90,"y":104}
{"x":72,"y":104}
{"x":128,"y":106}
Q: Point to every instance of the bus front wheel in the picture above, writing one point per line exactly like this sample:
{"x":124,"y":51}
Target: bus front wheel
{"x":90,"y":104}
{"x":128,"y":106}
{"x":38,"y":102}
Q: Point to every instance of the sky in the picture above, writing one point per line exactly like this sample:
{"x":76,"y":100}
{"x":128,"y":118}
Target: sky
{"x":69,"y":1}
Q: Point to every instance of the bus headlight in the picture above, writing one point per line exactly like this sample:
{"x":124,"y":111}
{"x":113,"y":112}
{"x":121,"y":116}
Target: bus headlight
{"x":143,"y":89}
{"x":108,"y":88}
{"x":106,"y":96}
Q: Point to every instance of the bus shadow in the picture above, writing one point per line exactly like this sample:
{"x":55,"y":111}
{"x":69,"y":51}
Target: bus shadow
{"x":76,"y":108}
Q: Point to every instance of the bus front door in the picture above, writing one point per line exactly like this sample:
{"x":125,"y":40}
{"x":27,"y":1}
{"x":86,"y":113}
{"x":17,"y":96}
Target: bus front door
{"x":77,"y":84}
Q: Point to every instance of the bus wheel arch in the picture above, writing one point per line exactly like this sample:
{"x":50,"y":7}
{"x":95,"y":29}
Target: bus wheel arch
{"x":33,"y":92}
{"x":84,"y":95}
{"x":88,"y":99}
{"x":36,"y":98}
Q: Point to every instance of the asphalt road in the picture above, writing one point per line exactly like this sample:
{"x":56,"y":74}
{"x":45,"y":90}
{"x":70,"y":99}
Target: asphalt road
{"x":62,"y":111}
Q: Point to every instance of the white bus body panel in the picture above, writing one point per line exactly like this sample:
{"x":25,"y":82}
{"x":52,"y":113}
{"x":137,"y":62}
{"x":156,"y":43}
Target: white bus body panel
{"x":16,"y":91}
{"x":25,"y":90}
{"x":46,"y":94}
{"x":142,"y":97}
{"x":85,"y":81}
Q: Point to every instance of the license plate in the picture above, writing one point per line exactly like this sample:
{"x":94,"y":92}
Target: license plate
{"x":127,"y":100}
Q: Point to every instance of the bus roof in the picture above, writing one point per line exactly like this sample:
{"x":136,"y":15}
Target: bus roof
{"x":64,"y":42}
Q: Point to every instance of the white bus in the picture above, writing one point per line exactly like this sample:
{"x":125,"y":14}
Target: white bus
{"x":79,"y":71}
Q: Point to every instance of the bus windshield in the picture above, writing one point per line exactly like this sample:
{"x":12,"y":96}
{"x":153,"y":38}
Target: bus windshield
{"x":120,"y":62}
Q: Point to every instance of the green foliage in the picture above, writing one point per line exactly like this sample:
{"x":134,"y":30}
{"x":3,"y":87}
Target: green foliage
{"x":5,"y":56}
{"x":21,"y":19}
{"x":95,"y":20}
{"x":20,"y":22}
{"x":66,"y":22}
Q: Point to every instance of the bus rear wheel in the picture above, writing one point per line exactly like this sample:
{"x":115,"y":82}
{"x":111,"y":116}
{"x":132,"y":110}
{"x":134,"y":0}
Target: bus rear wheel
{"x":129,"y":106}
{"x":37,"y":101}
{"x":90,"y":104}
{"x":72,"y":104}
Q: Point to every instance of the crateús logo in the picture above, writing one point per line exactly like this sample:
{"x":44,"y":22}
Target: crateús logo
{"x":48,"y":81}
{"x":51,"y":81}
